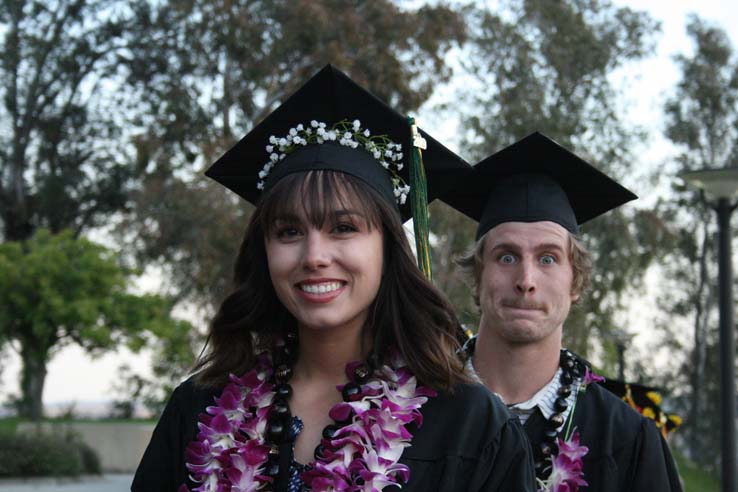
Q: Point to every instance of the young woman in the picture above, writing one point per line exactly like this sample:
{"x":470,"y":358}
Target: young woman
{"x":332,"y":365}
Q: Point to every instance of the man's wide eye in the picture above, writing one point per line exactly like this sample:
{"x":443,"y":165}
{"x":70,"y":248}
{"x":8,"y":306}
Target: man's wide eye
{"x":507,"y":259}
{"x":548,"y":259}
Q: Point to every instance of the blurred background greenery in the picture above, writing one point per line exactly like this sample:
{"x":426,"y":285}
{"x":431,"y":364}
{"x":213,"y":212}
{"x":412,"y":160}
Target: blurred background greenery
{"x":111,"y":110}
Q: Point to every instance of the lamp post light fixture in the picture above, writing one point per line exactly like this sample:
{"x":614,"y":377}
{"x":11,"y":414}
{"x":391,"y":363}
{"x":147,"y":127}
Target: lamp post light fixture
{"x":622,"y":339}
{"x":720,"y":187}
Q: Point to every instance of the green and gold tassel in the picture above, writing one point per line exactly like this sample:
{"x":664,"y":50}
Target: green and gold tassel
{"x":419,"y":201}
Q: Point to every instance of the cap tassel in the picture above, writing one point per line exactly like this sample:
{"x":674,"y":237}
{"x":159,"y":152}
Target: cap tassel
{"x":419,"y":201}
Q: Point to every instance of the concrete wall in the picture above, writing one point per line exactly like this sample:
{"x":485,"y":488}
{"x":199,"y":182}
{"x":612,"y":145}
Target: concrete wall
{"x":119,"y":445}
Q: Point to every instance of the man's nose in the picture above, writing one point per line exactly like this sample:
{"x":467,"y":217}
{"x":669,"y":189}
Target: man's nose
{"x":525,"y":281}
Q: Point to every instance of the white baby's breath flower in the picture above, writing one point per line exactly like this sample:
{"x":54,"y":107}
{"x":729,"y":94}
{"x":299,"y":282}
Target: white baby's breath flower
{"x":386,"y":152}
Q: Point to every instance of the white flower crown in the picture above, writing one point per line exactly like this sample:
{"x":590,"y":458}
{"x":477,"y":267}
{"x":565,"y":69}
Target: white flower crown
{"x":348,"y":134}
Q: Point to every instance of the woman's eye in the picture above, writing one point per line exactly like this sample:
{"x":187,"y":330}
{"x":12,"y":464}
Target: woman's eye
{"x":507,"y":259}
{"x":547,"y":260}
{"x":287,"y":232}
{"x":345,"y":228}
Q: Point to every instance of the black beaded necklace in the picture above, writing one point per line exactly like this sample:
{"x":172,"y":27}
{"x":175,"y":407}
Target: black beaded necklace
{"x":280,"y":418}
{"x":572,"y":370}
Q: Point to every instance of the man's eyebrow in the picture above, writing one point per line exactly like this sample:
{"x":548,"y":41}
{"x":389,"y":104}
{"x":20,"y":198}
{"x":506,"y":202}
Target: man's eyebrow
{"x":550,"y":246}
{"x":540,"y":247}
{"x":505,"y":246}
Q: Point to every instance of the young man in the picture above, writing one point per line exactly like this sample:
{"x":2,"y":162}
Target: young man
{"x":528,"y":268}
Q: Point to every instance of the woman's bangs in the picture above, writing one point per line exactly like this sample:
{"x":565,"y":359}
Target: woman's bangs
{"x":316,"y":196}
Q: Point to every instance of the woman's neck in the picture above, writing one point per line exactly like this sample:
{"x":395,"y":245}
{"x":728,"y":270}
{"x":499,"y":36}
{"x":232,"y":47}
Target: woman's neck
{"x":323,"y":354}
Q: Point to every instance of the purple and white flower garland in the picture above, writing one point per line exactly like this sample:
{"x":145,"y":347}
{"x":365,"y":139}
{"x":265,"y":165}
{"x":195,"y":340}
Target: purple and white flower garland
{"x":231,"y":451}
{"x":567,"y":473}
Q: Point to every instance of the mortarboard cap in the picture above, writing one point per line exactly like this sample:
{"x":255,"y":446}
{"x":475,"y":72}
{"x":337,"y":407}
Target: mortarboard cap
{"x":331,"y":97}
{"x":646,"y":400}
{"x":534,"y":180}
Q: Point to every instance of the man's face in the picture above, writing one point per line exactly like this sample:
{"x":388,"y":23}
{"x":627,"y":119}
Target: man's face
{"x":525,"y":286}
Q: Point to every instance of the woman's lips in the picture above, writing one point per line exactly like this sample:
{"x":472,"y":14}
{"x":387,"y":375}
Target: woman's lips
{"x":320,"y":290}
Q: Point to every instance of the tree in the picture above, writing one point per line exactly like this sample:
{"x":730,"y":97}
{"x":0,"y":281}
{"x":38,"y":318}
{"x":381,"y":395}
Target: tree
{"x":205,"y":72}
{"x":57,"y":290}
{"x":60,"y":163}
{"x":702,"y":117}
{"x":547,"y":66}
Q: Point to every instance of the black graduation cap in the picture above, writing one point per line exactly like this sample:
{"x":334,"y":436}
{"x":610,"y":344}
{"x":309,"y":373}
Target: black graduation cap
{"x":644,"y":399}
{"x":534,"y":180}
{"x":331,"y":97}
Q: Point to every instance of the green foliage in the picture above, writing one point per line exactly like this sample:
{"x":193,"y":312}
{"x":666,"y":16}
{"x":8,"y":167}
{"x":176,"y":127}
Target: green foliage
{"x":58,"y":290}
{"x":453,"y":235}
{"x":546,"y":66}
{"x":702,"y":120}
{"x":696,"y":479}
{"x":60,"y":158}
{"x":40,"y":454}
{"x":8,"y":425}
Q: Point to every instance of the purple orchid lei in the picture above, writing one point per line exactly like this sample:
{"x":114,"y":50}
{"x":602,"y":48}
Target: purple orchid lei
{"x":231,"y":452}
{"x":567,"y":473}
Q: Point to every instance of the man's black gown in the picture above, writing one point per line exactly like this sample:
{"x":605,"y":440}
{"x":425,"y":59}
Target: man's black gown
{"x":626,"y":450}
{"x":468,"y":442}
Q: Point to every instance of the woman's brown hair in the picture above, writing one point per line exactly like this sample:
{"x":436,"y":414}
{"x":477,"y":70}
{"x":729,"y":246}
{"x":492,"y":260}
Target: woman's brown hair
{"x":409,"y":312}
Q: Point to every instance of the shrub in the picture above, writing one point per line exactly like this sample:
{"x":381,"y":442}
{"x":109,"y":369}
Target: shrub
{"x":43,"y":454}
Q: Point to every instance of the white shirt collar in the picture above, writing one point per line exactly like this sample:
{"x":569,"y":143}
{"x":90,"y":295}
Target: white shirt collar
{"x":544,"y":399}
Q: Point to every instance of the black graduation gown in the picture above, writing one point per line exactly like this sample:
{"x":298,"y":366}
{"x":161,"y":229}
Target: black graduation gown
{"x":468,"y":442}
{"x":626,"y":450}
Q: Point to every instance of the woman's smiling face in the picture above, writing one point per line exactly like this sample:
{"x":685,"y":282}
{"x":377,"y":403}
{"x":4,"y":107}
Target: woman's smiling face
{"x":328,"y":274}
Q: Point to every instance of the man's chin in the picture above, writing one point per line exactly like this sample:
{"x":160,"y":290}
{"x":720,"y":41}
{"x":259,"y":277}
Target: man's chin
{"x":523,"y":332}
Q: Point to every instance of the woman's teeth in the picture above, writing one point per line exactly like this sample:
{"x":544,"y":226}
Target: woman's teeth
{"x":320,"y":288}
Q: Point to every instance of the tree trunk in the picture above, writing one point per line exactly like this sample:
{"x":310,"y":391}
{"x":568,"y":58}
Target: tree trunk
{"x":33,"y":376}
{"x":699,"y":356}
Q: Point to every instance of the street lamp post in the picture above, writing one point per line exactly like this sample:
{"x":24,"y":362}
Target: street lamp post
{"x":720,"y":186}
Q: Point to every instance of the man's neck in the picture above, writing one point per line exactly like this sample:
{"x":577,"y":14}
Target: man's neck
{"x":515,"y":372}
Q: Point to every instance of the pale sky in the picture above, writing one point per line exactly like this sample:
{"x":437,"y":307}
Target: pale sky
{"x":75,"y":377}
